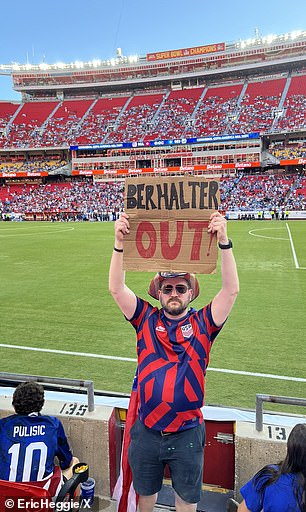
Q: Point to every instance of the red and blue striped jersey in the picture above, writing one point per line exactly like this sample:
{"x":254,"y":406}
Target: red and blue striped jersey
{"x":172,"y":359}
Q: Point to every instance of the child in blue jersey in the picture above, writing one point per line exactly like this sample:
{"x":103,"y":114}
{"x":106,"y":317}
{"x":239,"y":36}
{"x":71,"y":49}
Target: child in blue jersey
{"x":29,"y":442}
{"x":281,"y":487}
{"x":173,"y":346}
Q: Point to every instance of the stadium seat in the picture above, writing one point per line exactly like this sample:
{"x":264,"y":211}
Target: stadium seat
{"x":12,"y":492}
{"x":36,"y":498}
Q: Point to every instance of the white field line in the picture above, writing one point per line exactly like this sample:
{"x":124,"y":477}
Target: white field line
{"x":296,"y":263}
{"x":252,"y":232}
{"x":293,"y":250}
{"x":68,"y":353}
{"x":130,"y":359}
{"x":4,"y":232}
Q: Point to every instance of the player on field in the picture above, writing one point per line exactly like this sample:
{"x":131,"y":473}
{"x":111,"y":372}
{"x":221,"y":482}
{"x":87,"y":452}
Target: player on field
{"x":173,"y":345}
{"x":29,"y":442}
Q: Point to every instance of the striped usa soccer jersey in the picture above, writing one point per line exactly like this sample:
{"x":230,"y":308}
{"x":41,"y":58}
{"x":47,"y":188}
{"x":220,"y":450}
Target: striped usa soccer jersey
{"x":172,"y":359}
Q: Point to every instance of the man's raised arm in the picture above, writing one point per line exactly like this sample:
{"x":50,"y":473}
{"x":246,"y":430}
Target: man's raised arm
{"x":224,"y":300}
{"x":125,"y":298}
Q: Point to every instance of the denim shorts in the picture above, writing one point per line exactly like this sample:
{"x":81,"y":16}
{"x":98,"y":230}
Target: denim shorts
{"x":182,"y":451}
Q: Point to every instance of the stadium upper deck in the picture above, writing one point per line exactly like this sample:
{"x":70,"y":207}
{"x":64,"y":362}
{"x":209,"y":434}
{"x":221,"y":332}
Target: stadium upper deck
{"x":185,"y":103}
{"x":187,"y":66}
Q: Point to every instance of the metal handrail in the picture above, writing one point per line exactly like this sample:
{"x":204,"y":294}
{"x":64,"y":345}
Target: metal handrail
{"x":288,"y":400}
{"x":88,"y":384}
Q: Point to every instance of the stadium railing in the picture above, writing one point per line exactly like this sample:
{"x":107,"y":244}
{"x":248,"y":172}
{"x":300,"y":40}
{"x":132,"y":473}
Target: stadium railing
{"x":260,"y":399}
{"x":88,"y":384}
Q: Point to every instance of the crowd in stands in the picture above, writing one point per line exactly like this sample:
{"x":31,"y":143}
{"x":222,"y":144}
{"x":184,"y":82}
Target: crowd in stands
{"x":232,"y":108}
{"x":32,"y":166}
{"x":56,"y":134}
{"x":11,"y":167}
{"x":21,"y":136}
{"x":104,"y":200}
{"x":100,"y":119}
{"x":134,"y":122}
{"x":255,"y":115}
{"x":173,"y":117}
{"x":212,"y":117}
{"x":290,"y":152}
{"x":295,"y":117}
{"x":77,"y":201}
{"x":265,"y":192}
{"x":294,"y":106}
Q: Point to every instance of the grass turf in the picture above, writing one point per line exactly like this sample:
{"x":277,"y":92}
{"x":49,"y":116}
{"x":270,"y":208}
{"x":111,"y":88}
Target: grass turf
{"x":54,"y":295}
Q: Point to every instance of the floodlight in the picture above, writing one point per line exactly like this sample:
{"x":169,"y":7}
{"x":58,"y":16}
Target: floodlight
{"x":59,"y":65}
{"x":269,"y":39}
{"x":133,"y":58}
{"x":96,"y":63}
{"x":295,"y":33}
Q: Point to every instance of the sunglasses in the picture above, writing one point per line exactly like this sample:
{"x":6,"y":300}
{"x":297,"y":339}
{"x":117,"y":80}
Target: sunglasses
{"x":179,"y":288}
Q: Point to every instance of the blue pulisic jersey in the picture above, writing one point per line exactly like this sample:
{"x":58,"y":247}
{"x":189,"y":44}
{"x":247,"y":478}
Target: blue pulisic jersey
{"x":28,"y":445}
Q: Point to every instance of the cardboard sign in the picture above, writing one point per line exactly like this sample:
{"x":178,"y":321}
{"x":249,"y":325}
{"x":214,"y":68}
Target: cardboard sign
{"x":168,"y":224}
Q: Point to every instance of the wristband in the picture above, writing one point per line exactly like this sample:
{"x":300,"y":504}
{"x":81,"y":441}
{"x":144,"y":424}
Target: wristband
{"x":118,"y":250}
{"x":229,"y":245}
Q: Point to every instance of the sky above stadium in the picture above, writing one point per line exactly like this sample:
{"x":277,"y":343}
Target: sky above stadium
{"x":53,"y":31}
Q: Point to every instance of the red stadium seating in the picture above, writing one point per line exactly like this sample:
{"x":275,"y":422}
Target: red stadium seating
{"x":25,"y":126}
{"x":102,"y":115}
{"x":7,"y":110}
{"x":174,"y":114}
{"x":295,"y":105}
{"x":62,"y":128}
{"x":255,"y":113}
{"x":212,"y":115}
{"x":31,"y":497}
{"x":231,"y":108}
{"x":135,"y":120}
{"x":28,"y":496}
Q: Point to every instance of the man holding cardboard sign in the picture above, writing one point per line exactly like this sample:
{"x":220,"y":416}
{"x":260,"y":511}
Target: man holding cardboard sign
{"x":173,"y":345}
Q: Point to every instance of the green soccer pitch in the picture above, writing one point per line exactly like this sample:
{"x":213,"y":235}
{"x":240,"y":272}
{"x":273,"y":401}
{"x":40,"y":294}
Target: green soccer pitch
{"x":58,"y":314}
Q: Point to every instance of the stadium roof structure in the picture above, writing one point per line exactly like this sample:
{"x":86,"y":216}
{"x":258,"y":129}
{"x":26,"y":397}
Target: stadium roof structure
{"x":185,"y":67}
{"x":258,"y":41}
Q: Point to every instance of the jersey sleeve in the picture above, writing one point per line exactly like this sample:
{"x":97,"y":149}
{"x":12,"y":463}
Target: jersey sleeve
{"x":252,"y":496}
{"x":143,"y":310}
{"x":205,"y":317}
{"x":63,"y":453}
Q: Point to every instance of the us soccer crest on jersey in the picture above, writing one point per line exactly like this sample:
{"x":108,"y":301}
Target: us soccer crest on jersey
{"x":187,"y":330}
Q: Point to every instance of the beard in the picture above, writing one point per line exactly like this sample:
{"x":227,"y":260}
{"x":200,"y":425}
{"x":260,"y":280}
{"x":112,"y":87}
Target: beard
{"x":174,"y":307}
